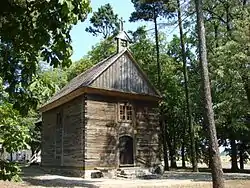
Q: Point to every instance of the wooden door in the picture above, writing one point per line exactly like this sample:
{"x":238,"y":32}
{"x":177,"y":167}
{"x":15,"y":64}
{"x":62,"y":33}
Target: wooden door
{"x":126,"y":151}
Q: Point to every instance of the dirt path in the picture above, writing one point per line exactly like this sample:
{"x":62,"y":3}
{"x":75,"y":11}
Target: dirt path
{"x":35,"y":177}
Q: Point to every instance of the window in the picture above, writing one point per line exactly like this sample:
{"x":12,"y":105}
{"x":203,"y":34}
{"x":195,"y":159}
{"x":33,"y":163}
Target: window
{"x":129,"y":112}
{"x":124,"y":43}
{"x":122,"y":112}
{"x":125,"y":112}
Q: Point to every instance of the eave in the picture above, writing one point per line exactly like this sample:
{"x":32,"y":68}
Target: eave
{"x":105,"y":92}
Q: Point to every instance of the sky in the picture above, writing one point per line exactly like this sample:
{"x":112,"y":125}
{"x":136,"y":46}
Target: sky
{"x":83,"y":41}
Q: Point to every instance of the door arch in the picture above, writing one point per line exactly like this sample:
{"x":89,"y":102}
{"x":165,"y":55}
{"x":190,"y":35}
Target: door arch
{"x":126,"y":150}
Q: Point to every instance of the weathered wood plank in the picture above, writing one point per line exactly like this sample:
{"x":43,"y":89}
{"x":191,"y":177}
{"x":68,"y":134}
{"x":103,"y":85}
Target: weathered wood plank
{"x":123,"y":75}
{"x":64,"y":146}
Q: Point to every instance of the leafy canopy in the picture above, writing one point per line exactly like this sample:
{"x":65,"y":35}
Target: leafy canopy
{"x":105,"y":22}
{"x":149,"y":10}
{"x":33,"y":31}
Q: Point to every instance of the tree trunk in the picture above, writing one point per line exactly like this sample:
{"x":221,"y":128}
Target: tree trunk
{"x":183,"y":162}
{"x":169,"y":145}
{"x":173,"y":163}
{"x":172,"y":157}
{"x":164,"y":144}
{"x":157,"y":51}
{"x":241,"y":159}
{"x":209,"y":159}
{"x":246,"y":81}
{"x":216,"y":26}
{"x":234,"y":165}
{"x":217,"y":173}
{"x":188,"y":113}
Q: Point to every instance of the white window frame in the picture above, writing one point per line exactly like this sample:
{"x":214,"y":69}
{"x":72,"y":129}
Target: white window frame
{"x":125,"y":112}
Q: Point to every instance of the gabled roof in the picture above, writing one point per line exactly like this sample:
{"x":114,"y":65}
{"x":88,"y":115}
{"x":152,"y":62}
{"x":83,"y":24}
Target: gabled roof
{"x":86,"y":78}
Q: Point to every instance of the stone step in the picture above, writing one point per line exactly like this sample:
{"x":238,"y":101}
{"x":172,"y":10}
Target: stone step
{"x":133,"y":172}
{"x":123,"y":172}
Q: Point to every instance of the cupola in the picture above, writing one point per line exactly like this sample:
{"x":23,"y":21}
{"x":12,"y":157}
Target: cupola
{"x":122,"y":38}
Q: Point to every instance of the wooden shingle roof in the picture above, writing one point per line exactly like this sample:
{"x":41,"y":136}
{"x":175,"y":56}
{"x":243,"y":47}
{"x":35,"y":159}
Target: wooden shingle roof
{"x":85,"y":79}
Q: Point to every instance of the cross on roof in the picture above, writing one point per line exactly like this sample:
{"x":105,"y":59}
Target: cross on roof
{"x":121,"y":23}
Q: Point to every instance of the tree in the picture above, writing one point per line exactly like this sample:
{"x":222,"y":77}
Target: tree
{"x":14,"y":135}
{"x":102,"y":50}
{"x":104,"y":21}
{"x":30,"y":32}
{"x":150,"y":11}
{"x":78,"y":67}
{"x":227,"y":33}
{"x":33,"y":31}
{"x":188,"y":109}
{"x":217,"y":173}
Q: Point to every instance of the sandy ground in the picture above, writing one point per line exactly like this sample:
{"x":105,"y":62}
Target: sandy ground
{"x":35,"y":177}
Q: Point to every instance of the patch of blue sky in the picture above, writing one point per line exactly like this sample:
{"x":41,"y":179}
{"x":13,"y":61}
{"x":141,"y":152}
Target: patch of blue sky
{"x":83,"y":41}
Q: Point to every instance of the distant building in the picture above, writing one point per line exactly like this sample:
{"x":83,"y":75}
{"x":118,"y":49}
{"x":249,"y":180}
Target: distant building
{"x":19,"y":156}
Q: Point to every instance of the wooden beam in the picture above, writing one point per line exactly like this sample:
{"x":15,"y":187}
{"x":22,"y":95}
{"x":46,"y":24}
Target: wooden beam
{"x":62,"y":100}
{"x":91,"y":90}
{"x":112,"y":93}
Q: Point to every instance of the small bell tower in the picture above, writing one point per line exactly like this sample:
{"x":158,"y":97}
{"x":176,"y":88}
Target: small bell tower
{"x":122,"y":38}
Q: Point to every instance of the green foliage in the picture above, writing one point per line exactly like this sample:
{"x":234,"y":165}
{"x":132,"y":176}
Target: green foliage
{"x":46,"y":84}
{"x":104,"y":21}
{"x":78,"y":67}
{"x":14,"y":136}
{"x":144,"y":52}
{"x":14,"y":132}
{"x":102,"y":50}
{"x":31,"y":31}
{"x":149,"y":10}
{"x":230,"y":66}
{"x":227,"y":28}
{"x":9,"y":171}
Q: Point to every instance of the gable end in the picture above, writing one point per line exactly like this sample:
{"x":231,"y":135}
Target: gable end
{"x":124,"y":75}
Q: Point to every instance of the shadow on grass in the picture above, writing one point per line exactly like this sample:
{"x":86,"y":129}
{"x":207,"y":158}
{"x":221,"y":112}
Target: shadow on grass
{"x":30,"y":176}
{"x":226,"y":170}
{"x":204,"y":174}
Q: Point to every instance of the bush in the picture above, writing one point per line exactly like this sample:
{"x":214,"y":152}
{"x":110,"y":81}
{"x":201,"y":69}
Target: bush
{"x":9,"y":171}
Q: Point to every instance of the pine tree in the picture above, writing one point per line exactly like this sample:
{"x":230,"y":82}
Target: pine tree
{"x":217,"y":173}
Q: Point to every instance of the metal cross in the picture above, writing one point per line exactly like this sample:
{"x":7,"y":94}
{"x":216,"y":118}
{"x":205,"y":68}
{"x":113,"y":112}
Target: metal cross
{"x":121,"y":24}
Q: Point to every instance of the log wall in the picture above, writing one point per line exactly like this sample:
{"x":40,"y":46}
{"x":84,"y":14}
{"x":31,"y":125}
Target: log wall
{"x":63,"y":140}
{"x":103,"y":130}
{"x":88,"y":136}
{"x":147,"y":134}
{"x":100,"y":137}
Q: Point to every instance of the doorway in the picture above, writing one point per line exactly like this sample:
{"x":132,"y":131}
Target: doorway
{"x":126,"y":151}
